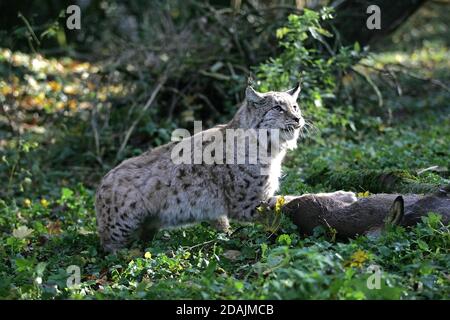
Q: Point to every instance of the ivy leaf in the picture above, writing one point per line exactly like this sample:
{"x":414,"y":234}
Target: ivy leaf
{"x":22,"y":232}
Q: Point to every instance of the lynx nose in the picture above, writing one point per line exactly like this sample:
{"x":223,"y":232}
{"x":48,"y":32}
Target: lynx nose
{"x":299,"y":121}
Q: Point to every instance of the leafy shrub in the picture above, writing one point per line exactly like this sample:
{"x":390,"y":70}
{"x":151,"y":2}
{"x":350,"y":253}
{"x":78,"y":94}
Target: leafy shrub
{"x":307,"y":57}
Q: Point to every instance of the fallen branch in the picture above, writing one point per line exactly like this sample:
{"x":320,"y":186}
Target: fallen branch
{"x":392,"y":68}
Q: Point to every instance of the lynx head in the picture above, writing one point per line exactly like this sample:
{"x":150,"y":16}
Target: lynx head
{"x":275,"y":110}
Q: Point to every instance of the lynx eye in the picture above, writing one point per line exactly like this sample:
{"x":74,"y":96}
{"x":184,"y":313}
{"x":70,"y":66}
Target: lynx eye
{"x":278,"y":108}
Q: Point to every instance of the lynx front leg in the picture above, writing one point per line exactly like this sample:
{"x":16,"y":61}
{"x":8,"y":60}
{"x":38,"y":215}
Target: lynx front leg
{"x":114,"y":238}
{"x":149,"y":228}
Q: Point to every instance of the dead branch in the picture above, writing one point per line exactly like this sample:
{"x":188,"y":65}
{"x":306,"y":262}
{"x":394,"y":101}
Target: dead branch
{"x":150,"y":101}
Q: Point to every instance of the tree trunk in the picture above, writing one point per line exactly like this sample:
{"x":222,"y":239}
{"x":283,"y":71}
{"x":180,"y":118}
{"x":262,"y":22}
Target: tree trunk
{"x":351,"y":18}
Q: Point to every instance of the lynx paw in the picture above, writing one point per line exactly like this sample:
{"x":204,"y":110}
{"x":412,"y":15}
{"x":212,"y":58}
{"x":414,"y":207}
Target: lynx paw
{"x":222,"y":224}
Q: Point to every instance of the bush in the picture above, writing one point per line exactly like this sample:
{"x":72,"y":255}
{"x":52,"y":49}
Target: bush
{"x":307,"y":57}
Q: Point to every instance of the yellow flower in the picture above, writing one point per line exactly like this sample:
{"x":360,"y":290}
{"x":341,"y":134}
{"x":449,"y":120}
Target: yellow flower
{"x":357,"y":259}
{"x":44,"y":203}
{"x":54,"y":86}
{"x":279,"y":204}
{"x":147,"y":255}
{"x":6,"y":90}
{"x":363,"y":194}
{"x":27,"y":203}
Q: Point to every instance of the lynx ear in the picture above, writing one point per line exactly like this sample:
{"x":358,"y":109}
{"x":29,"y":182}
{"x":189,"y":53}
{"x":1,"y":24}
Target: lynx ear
{"x":396,"y":212}
{"x":252,"y":95}
{"x":295,"y":91}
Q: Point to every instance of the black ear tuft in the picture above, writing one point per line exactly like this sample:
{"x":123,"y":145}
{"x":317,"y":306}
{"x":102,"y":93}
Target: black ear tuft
{"x":295,"y":91}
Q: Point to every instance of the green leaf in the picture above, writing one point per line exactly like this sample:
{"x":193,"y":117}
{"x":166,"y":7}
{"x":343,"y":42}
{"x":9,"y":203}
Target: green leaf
{"x":422,"y":245}
{"x":281,"y":32}
{"x":66,"y":194}
{"x":284,"y":239}
{"x":23,"y":264}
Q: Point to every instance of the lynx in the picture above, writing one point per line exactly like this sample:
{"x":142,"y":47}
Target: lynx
{"x":153,"y":191}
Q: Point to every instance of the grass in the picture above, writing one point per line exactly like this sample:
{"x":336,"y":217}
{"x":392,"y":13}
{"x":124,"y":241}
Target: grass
{"x":47,"y":220}
{"x":51,"y":236}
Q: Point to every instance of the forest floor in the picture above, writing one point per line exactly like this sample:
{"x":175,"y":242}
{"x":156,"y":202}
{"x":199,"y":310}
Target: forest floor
{"x":47,"y":219}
